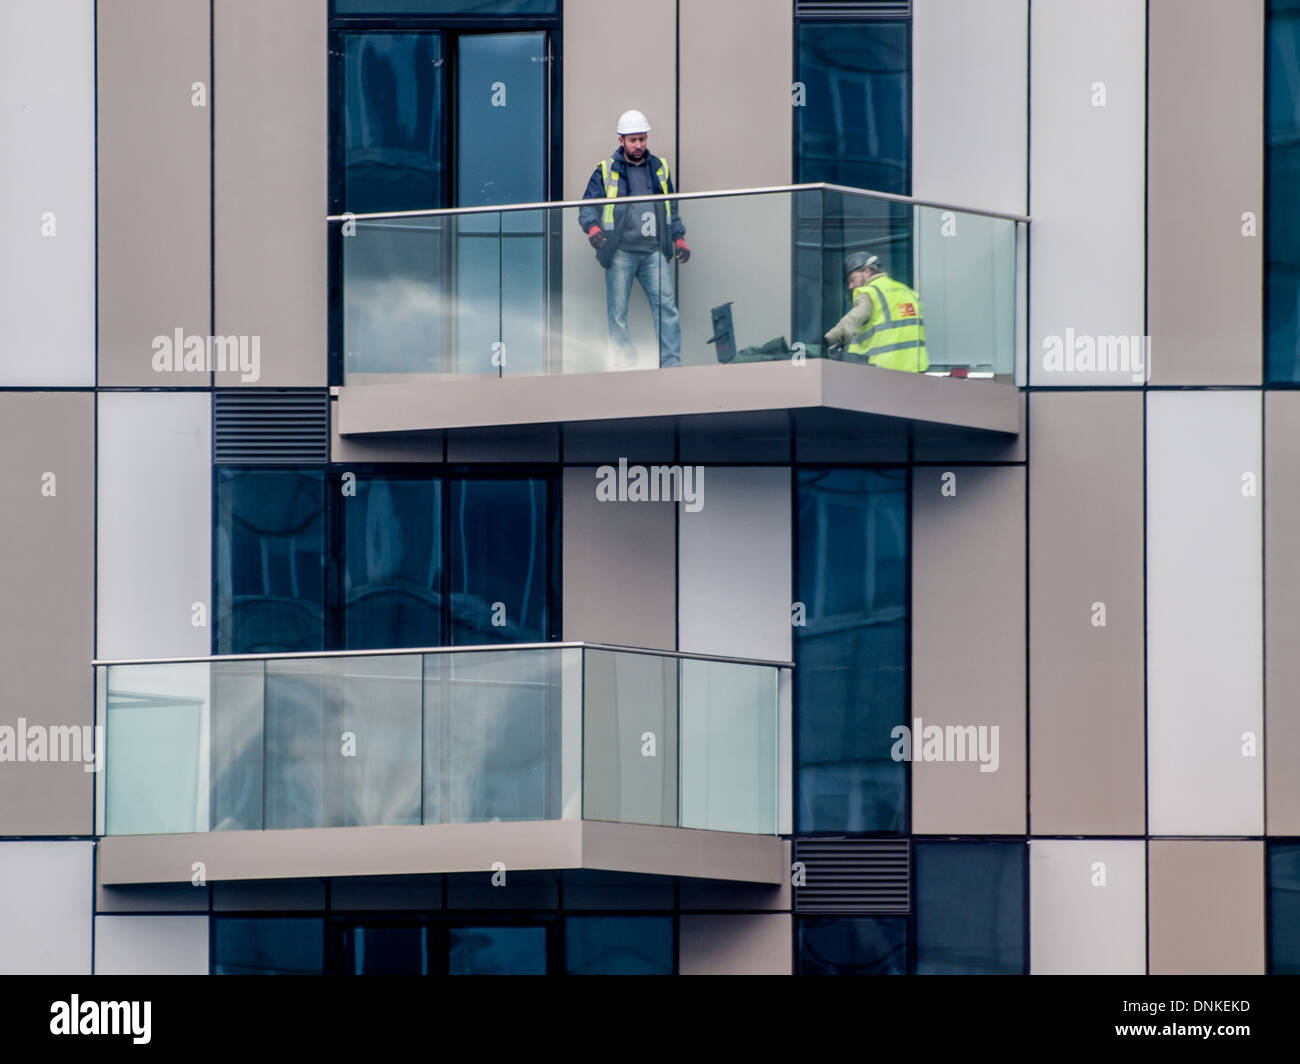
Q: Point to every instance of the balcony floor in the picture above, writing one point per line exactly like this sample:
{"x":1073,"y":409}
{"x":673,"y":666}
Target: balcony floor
{"x":819,"y":388}
{"x":436,"y":848}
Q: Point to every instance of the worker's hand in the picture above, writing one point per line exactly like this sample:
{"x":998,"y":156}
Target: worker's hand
{"x":683,"y":252}
{"x":596,"y":237}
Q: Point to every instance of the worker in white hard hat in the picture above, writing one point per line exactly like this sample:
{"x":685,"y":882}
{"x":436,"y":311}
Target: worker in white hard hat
{"x":636,"y":241}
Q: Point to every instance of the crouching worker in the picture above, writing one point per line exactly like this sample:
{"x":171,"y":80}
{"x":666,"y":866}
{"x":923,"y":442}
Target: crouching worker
{"x":884,"y":326}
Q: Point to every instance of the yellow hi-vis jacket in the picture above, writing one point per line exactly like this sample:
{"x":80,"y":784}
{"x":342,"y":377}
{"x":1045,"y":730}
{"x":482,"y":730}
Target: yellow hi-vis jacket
{"x":894,"y":335}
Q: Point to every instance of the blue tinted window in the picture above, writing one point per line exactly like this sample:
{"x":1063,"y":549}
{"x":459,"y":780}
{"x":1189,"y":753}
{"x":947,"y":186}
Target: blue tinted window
{"x":854,"y":127}
{"x":850,"y":659}
{"x":380,"y":950}
{"x":836,"y":945}
{"x":1282,"y":212}
{"x":393,"y":560}
{"x":497,"y":951}
{"x":970,"y":908}
{"x":618,"y":945}
{"x":394,"y":86}
{"x":498,"y":561}
{"x":290,"y":946}
{"x":1284,"y":908}
{"x":270,"y":547}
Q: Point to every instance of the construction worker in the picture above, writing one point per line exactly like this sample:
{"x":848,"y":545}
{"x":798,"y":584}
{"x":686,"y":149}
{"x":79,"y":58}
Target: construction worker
{"x":884,"y":325}
{"x":636,"y":240}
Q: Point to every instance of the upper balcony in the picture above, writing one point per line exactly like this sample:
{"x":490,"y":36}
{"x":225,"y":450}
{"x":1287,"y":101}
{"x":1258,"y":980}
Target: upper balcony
{"x":537,"y":756}
{"x":498,"y":316}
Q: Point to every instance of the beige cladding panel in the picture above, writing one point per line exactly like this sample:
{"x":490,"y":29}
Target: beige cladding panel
{"x":968,"y":648}
{"x":1282,"y":612}
{"x":1206,"y":907}
{"x":154,"y":187}
{"x":1087,"y":907}
{"x":1205,"y":187}
{"x":620,"y":567}
{"x":269,"y":197}
{"x":47,"y":616}
{"x":1086,"y":617}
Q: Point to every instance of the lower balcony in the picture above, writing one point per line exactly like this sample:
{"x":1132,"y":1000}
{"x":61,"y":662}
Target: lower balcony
{"x":444,"y":760}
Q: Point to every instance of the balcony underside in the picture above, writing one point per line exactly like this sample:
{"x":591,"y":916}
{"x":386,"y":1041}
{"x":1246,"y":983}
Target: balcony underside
{"x":434,"y":848}
{"x":836,"y":393}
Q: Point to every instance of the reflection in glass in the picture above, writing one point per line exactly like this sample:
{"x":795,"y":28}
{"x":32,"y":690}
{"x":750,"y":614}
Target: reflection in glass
{"x":385,"y":950}
{"x":497,"y":951}
{"x":835,"y":945}
{"x":851,"y":669}
{"x":618,"y":945}
{"x":279,"y":946}
{"x":392,"y":563}
{"x":270,"y":548}
{"x":1284,"y":908}
{"x":970,"y":908}
{"x":854,"y":127}
{"x":498,"y":561}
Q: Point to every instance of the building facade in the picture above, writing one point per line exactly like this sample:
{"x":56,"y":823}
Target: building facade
{"x":365,"y":612}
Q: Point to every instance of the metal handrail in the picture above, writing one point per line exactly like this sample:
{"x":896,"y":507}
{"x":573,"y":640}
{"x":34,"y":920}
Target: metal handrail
{"x":719,"y":194}
{"x":389,"y":651}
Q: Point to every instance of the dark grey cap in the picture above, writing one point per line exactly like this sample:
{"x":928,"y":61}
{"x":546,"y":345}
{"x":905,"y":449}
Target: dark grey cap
{"x":860,"y":260}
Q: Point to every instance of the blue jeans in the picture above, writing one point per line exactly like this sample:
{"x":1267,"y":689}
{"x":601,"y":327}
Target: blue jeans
{"x":652,"y":270}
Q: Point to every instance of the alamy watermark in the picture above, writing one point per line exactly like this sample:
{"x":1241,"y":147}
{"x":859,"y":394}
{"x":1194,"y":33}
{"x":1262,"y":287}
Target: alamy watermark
{"x":656,"y":483}
{"x":57,"y":742}
{"x":207,"y":354}
{"x":946,"y":742}
{"x":1088,"y":353}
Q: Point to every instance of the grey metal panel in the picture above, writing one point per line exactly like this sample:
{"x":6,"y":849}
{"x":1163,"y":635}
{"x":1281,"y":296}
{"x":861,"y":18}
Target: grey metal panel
{"x":385,"y":892}
{"x":1206,"y":907}
{"x":616,"y":553}
{"x":521,"y":890}
{"x":651,"y":440}
{"x":968,"y":645}
{"x":527,"y":443}
{"x":1204,"y":277}
{"x":47,"y":613}
{"x":734,"y":557}
{"x":1087,"y":758}
{"x":151,"y":945}
{"x":539,"y":845}
{"x":271,"y":427}
{"x":757,"y":944}
{"x":728,"y":897}
{"x":620,"y":890}
{"x":1086,"y":162}
{"x":854,"y":875}
{"x":152,"y":898}
{"x":154,"y":524}
{"x":761,"y":388}
{"x":47,"y":259}
{"x":308,"y":894}
{"x":154,"y":188}
{"x":1087,"y":907}
{"x":1204,"y":614}
{"x":45,"y":912}
{"x":970,"y":107}
{"x":269,"y":197}
{"x":1282,"y":611}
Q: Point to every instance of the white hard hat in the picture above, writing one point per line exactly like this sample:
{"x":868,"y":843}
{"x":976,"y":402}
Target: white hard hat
{"x":633,"y":122}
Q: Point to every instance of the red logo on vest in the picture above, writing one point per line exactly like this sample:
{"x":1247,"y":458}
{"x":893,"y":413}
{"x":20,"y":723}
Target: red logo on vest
{"x":906,"y":310}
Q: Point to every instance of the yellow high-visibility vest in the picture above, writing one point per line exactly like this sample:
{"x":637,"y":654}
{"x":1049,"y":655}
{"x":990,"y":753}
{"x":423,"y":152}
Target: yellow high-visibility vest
{"x":894,"y":335}
{"x":610,"y":176}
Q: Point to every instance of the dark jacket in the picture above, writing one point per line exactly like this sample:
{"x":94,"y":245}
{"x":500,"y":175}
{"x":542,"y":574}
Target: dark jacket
{"x":589,"y":216}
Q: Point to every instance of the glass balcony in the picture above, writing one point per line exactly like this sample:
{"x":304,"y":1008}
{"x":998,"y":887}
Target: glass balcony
{"x":471,"y":735}
{"x":518,"y":291}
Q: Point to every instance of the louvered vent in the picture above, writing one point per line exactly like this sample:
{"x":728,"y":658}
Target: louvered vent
{"x":853,"y":876}
{"x":853,"y":8}
{"x":271,"y":428}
